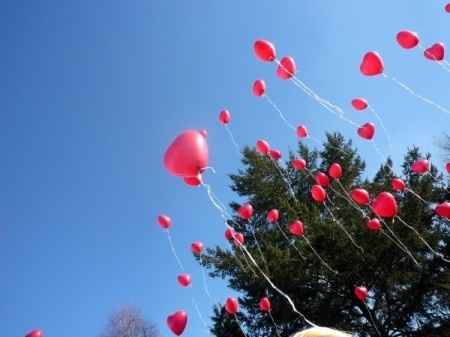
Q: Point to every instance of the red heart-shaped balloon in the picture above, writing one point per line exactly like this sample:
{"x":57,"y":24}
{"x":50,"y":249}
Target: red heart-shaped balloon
{"x":224,"y":117}
{"x":374,"y":225}
{"x":302,"y":131}
{"x":420,"y":166}
{"x":443,"y":210}
{"x":372,"y":64}
{"x":322,"y":179}
{"x":262,"y":146}
{"x":359,"y":104}
{"x":299,"y":164}
{"x":407,"y":39}
{"x":246,"y":211}
{"x":361,"y":293}
{"x":360,"y":196}
{"x":184,"y":280}
{"x":164,"y":221}
{"x":385,"y":205}
{"x":265,"y":50}
{"x":296,"y":228}
{"x":335,"y":171}
{"x":232,"y":305}
{"x":265,"y":305}
{"x":275,"y":154}
{"x":35,"y":333}
{"x":259,"y":88}
{"x":177,"y":322}
{"x":239,"y":239}
{"x":229,"y":233}
{"x":367,"y":131}
{"x":273,"y":215}
{"x":436,"y":52}
{"x":287,"y":68}
{"x":187,"y":156}
{"x":318,"y":193}
{"x":398,"y":184}
{"x":197,"y":247}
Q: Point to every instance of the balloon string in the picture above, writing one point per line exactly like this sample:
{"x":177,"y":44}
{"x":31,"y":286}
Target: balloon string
{"x":259,"y":248}
{"x":274,"y":324}
{"x":233,"y":140}
{"x":172,"y":248}
{"x":255,"y":274}
{"x":290,"y":242}
{"x":383,"y":126}
{"x":319,"y":257}
{"x":200,"y":316}
{"x":420,"y":97}
{"x":276,"y":108}
{"x":240,"y":325}
{"x":417,"y":196}
{"x":315,"y":140}
{"x":286,"y":180}
{"x":441,"y":256}
{"x":372,"y":321}
{"x":205,"y":283}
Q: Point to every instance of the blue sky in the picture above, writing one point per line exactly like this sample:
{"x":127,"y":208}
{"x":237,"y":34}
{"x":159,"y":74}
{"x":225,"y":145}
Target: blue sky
{"x":93,"y":92}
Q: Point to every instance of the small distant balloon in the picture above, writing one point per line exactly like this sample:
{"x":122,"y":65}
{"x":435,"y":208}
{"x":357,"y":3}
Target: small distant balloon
{"x":35,"y":333}
{"x":232,"y":305}
{"x":287,"y":68}
{"x":318,"y":193}
{"x":262,"y":146}
{"x":372,"y":64}
{"x":407,"y":39}
{"x":299,"y":164}
{"x":398,"y":184}
{"x":184,"y":280}
{"x":374,"y":225}
{"x":259,"y":88}
{"x":197,"y":247}
{"x":360,"y":196}
{"x":296,"y":228}
{"x":359,"y":104}
{"x":366,"y":131}
{"x":224,"y":117}
{"x":164,"y":221}
{"x":436,"y":52}
{"x":265,"y":51}
{"x":265,"y":305}
{"x":361,"y":293}
{"x":273,"y":215}
{"x":443,"y":210}
{"x":420,"y":166}
{"x":335,"y":171}
{"x":302,"y":131}
{"x":275,"y":154}
{"x":246,"y":211}
{"x":322,"y":179}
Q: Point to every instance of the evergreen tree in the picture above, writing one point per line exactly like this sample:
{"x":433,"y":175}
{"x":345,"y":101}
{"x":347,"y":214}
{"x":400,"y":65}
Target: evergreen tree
{"x":405,"y":299}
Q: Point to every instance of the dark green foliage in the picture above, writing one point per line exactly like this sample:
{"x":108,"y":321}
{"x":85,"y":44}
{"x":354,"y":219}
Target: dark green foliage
{"x":405,"y":299}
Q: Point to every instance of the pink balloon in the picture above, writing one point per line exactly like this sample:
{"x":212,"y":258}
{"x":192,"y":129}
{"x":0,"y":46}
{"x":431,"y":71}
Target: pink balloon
{"x":265,"y":305}
{"x":184,"y":280}
{"x":296,"y":228}
{"x":287,"y":68}
{"x":372,"y":64}
{"x":259,"y":88}
{"x":187,"y":156}
{"x":302,"y":131}
{"x":360,"y":196}
{"x":299,"y":164}
{"x":177,"y":322}
{"x":322,"y":179}
{"x":35,"y":333}
{"x":361,"y":293}
{"x":197,"y":247}
{"x":229,"y":233}
{"x":224,"y":117}
{"x":265,"y":50}
{"x":335,"y":171}
{"x":275,"y":154}
{"x":443,"y":210}
{"x":239,"y":239}
{"x":359,"y":104}
{"x":193,"y":181}
{"x":366,"y":131}
{"x":436,"y":52}
{"x":262,"y":146}
{"x":164,"y":221}
{"x":385,"y":205}
{"x":407,"y":39}
{"x":246,"y":211}
{"x":398,"y":184}
{"x":420,"y":166}
{"x":374,"y":225}
{"x":318,"y":193}
{"x":232,"y":305}
{"x":273,"y":216}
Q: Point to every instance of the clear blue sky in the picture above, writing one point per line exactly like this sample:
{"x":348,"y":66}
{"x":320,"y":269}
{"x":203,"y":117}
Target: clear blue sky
{"x":93,"y":91}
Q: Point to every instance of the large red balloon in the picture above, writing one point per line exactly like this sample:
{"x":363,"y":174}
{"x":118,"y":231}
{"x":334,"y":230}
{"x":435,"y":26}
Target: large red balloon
{"x":436,"y":52}
{"x":366,"y":131}
{"x":335,"y":171}
{"x":361,"y":293}
{"x":374,"y":225}
{"x":273,"y":215}
{"x":420,"y":166}
{"x":184,"y":280}
{"x":322,"y":179}
{"x":265,"y":50}
{"x":193,"y":181}
{"x":265,"y":305}
{"x":407,"y":39}
{"x":229,"y":233}
{"x":224,"y":117}
{"x":246,"y":211}
{"x":302,"y":131}
{"x":318,"y":193}
{"x":164,"y":221}
{"x":296,"y":228}
{"x":35,"y":333}
{"x":447,"y":167}
{"x":443,"y":210}
{"x":287,"y":68}
{"x":177,"y":322}
{"x":187,"y":156}
{"x":232,"y":305}
{"x":360,"y":196}
{"x":299,"y":164}
{"x":385,"y":205}
{"x":359,"y":104}
{"x":259,"y":88}
{"x":372,"y":64}
{"x":398,"y":184}
{"x":262,"y":146}
{"x":197,"y":247}
{"x":275,"y":154}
